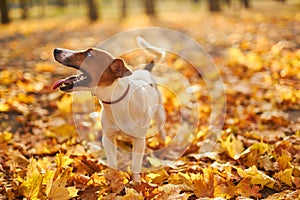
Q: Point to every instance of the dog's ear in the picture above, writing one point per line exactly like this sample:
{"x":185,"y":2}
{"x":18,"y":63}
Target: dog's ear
{"x":119,"y":68}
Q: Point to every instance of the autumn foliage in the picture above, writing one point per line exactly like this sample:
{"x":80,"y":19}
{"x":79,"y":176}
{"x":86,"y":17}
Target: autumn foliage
{"x":258,"y":152}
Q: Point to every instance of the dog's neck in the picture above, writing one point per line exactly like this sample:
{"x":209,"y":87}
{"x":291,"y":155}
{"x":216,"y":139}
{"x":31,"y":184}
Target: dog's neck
{"x":112,"y":92}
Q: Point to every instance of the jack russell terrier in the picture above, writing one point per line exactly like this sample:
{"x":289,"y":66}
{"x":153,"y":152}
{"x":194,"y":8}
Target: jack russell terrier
{"x":129,"y":99}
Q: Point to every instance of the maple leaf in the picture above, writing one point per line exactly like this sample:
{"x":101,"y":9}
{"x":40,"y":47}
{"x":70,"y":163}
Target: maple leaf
{"x":204,"y":184}
{"x":132,"y":194}
{"x":62,"y":161}
{"x":284,"y":159}
{"x":256,"y":177}
{"x":116,"y":180}
{"x":232,"y":146}
{"x":285,"y":176}
{"x":170,"y":192}
{"x":33,"y":181}
{"x":182,"y":179}
{"x":157,"y":177}
{"x":245,"y":189}
{"x":57,"y":190}
{"x":226,"y":191}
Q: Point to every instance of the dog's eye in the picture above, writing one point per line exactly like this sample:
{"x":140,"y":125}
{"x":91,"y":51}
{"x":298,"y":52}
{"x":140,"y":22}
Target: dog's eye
{"x":88,"y":54}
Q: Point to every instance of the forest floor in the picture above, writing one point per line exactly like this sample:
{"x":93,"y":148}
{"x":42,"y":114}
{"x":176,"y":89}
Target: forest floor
{"x":256,"y":156}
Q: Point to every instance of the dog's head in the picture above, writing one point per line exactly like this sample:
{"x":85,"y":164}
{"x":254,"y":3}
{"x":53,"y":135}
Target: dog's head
{"x":98,"y":68}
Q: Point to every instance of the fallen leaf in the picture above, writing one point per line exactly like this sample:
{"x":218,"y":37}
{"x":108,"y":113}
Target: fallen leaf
{"x":57,"y":189}
{"x":33,"y":181}
{"x":232,"y":146}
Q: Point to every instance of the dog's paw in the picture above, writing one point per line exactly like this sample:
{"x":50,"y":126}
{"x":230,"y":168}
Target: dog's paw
{"x":136,"y":177}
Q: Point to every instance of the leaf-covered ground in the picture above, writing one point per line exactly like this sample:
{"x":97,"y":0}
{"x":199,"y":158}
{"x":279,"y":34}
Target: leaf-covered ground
{"x":257,"y":155}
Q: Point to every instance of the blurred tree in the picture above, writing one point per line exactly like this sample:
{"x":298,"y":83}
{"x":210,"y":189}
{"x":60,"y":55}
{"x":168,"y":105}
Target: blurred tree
{"x":61,"y":3}
{"x":228,"y":2}
{"x":42,"y":7}
{"x":245,"y":3}
{"x":123,"y":8}
{"x":24,"y":8}
{"x":4,"y":12}
{"x":214,"y":5}
{"x":150,"y":7}
{"x":93,"y":10}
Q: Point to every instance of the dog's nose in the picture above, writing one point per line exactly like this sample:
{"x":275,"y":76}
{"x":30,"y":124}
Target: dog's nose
{"x":57,"y":51}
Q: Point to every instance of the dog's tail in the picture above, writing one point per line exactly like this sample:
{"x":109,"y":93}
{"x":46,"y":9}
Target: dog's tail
{"x":159,"y":53}
{"x":149,"y":66}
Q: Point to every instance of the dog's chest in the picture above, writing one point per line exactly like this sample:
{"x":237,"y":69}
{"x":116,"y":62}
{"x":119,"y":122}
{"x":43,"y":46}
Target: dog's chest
{"x":133,"y":114}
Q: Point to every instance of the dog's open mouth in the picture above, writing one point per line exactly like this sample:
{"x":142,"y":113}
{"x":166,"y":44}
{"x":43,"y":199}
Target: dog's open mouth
{"x":69,"y":83}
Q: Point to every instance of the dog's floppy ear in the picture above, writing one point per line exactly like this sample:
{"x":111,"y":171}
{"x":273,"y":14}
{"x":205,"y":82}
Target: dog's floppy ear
{"x":119,"y":68}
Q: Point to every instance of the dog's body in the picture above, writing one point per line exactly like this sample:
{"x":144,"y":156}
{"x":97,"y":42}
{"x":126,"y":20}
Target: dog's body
{"x":130,"y":99}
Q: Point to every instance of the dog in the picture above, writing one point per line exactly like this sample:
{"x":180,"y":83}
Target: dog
{"x":129,"y":99}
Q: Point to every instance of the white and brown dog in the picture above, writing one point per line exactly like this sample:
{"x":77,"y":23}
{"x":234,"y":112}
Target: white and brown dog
{"x":129,"y":99}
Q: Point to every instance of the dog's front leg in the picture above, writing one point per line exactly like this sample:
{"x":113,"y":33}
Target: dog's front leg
{"x":137,"y":157}
{"x":109,"y":144}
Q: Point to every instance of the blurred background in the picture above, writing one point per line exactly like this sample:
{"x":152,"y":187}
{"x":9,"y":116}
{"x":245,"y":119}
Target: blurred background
{"x":12,"y":10}
{"x":254,"y":43}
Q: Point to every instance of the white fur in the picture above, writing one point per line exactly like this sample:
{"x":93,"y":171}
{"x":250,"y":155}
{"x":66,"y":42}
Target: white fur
{"x":130,"y":116}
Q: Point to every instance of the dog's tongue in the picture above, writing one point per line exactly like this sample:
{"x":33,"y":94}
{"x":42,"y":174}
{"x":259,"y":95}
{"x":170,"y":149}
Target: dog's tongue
{"x":58,"y":83}
{"x":66,"y":81}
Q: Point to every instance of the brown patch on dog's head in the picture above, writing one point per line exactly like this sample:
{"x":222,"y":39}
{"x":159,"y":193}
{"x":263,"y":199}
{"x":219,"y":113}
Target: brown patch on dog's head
{"x":99,"y":68}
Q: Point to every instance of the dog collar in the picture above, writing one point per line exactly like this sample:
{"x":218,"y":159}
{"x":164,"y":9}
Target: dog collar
{"x":119,"y":99}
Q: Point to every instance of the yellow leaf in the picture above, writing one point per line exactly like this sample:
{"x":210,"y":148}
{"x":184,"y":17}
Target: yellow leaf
{"x":65,"y":104}
{"x":6,"y":136}
{"x":132,"y":194}
{"x":44,"y":67}
{"x":245,"y":189}
{"x":62,"y":161}
{"x":256,"y":176}
{"x":284,"y":159}
{"x":232,"y":146}
{"x":157,"y":177}
{"x":225,"y":191}
{"x":57,"y":190}
{"x":170,"y":191}
{"x":62,"y":132}
{"x":182,"y":179}
{"x":97,"y":179}
{"x":4,"y":107}
{"x":204,"y":184}
{"x":285,"y":176}
{"x":261,"y":147}
{"x":72,"y":191}
{"x":155,"y":162}
{"x":33,"y":182}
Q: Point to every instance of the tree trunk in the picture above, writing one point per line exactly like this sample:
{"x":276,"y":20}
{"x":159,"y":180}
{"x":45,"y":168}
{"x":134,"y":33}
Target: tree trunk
{"x":4,"y":12}
{"x":228,"y":2}
{"x":245,"y":3}
{"x":214,"y":5}
{"x":123,"y":9}
{"x":24,"y":8}
{"x":92,"y":9}
{"x":42,"y":8}
{"x":150,"y":7}
{"x":61,"y":3}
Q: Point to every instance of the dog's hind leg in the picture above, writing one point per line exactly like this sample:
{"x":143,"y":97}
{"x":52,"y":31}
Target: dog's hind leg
{"x":160,"y":117}
{"x":138,"y":151}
